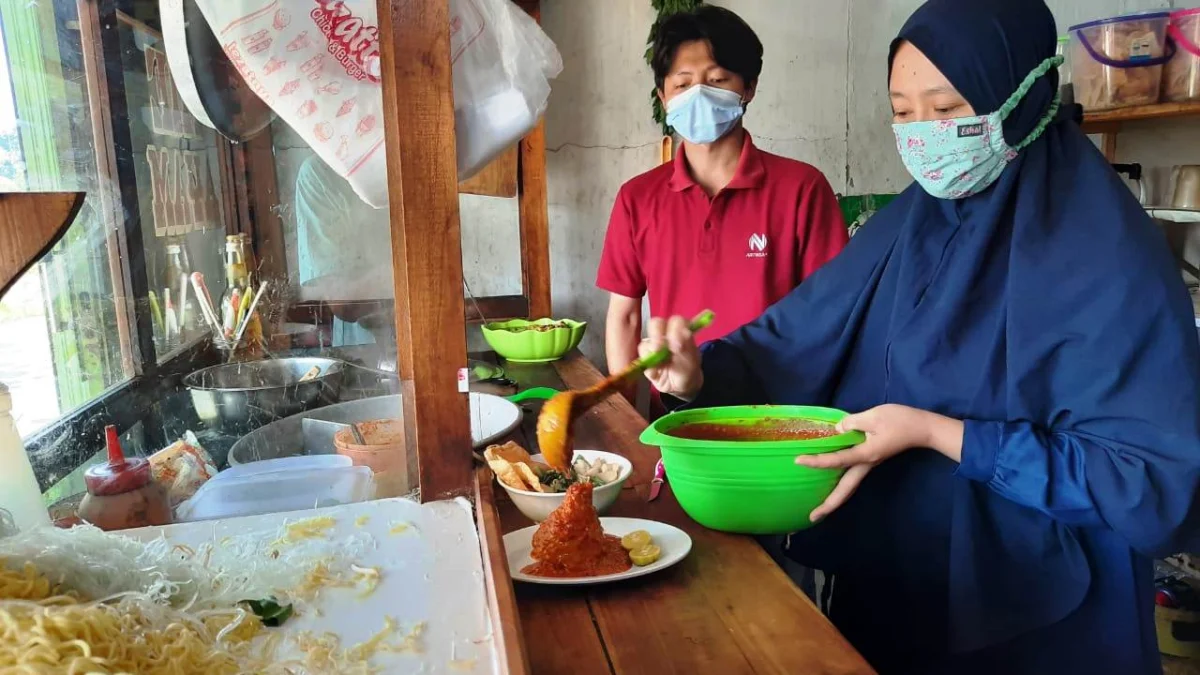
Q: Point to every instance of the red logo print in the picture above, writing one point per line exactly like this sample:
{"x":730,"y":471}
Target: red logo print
{"x":365,"y":125}
{"x":334,"y":87}
{"x":272,"y":65}
{"x":257,"y":41}
{"x":307,"y":108}
{"x":323,"y":131}
{"x":353,"y":42}
{"x":343,"y":147}
{"x":346,"y":107}
{"x":288,"y":88}
{"x":282,"y":19}
{"x":302,"y":41}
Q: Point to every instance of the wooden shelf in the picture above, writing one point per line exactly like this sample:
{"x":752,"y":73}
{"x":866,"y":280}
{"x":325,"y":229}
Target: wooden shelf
{"x":1110,"y":121}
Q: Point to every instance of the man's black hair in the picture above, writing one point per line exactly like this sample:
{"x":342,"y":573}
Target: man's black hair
{"x":735,"y":46}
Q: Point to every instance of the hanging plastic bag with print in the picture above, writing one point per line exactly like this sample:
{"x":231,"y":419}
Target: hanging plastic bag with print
{"x":317,"y":64}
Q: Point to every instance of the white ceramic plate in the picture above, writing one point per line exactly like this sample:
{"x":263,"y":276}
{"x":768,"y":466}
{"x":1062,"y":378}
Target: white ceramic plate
{"x":674,"y":542}
{"x":492,"y":418}
{"x":1173,"y":214}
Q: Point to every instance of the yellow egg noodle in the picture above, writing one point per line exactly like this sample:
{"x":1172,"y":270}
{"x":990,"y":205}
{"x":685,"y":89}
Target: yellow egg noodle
{"x":82,"y":601}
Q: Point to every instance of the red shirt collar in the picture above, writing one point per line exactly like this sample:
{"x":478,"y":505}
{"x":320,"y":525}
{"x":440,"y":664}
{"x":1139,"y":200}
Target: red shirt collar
{"x":750,"y":171}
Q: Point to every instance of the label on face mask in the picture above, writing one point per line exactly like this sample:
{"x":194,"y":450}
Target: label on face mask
{"x":970,"y":130}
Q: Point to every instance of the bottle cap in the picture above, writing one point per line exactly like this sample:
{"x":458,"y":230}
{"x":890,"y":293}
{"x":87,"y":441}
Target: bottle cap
{"x":118,"y":475}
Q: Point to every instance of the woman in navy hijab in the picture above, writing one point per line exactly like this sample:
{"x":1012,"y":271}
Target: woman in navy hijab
{"x":1017,"y":333}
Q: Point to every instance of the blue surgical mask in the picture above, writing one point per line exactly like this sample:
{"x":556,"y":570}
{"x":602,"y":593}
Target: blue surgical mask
{"x":704,"y":114}
{"x":959,"y":158}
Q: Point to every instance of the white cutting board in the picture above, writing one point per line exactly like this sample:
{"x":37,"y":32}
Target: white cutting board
{"x":432,"y":572}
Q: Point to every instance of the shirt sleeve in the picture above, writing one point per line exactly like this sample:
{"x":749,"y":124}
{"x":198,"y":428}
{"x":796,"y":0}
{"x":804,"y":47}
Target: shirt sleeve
{"x":620,"y":266}
{"x":1086,"y":480}
{"x":823,"y":232}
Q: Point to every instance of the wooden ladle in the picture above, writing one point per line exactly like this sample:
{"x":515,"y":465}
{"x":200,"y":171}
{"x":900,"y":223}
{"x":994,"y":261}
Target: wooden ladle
{"x":554,"y":433}
{"x":31,"y":223}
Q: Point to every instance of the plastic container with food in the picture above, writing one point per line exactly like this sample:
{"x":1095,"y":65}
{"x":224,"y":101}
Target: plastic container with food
{"x":733,"y":469}
{"x":1118,"y":62}
{"x":1181,"y":75}
{"x":540,"y":341}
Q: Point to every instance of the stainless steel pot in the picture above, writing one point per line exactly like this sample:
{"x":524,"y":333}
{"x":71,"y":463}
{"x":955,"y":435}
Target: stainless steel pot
{"x":238,"y":397}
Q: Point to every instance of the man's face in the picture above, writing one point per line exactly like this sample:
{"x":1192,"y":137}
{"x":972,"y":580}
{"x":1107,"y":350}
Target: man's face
{"x":694,"y":64}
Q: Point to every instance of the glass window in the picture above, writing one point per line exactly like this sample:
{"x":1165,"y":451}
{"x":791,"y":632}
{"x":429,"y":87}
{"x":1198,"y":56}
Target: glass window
{"x":62,"y":342}
{"x":176,"y":164}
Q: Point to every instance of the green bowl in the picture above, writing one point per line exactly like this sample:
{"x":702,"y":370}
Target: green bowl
{"x":532,"y":345}
{"x":748,"y":487}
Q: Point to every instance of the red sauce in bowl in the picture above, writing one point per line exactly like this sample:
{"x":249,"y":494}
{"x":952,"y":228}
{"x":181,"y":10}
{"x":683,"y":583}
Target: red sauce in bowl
{"x":766,"y":429}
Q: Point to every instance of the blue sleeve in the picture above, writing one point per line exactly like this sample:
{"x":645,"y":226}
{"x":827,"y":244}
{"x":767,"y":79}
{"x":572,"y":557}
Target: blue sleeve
{"x":1087,"y":481}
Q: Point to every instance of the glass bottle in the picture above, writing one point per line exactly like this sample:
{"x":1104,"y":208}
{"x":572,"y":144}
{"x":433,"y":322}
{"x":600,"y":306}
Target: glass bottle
{"x":238,"y":295}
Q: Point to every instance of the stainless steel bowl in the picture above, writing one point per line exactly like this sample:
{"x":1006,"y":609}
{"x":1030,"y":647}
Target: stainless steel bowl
{"x":238,"y":397}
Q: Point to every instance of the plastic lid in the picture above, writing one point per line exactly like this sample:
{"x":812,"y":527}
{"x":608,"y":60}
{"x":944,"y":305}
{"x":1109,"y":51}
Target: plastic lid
{"x":1139,"y":16}
{"x":119,"y":475}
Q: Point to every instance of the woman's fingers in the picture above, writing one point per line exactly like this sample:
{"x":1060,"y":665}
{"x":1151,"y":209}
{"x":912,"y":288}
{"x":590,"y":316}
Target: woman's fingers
{"x":842,"y":492}
{"x":860,"y":422}
{"x":859,"y":454}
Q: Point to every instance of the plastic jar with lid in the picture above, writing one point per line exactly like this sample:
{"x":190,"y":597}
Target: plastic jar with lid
{"x":122,"y":493}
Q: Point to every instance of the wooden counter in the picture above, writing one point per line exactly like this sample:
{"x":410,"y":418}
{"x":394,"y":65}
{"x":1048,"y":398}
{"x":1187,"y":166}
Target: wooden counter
{"x":728,"y":608}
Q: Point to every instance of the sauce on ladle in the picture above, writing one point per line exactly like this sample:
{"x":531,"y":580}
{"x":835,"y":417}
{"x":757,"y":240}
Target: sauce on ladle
{"x":554,"y":433}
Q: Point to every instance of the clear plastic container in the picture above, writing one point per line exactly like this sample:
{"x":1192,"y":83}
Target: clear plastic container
{"x":1118,"y":62}
{"x":1181,"y":75}
{"x":278,"y":492}
{"x":19,"y":493}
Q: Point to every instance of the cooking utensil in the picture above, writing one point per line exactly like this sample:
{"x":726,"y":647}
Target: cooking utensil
{"x":554,"y":423}
{"x":241,"y":396}
{"x":1187,"y":187}
{"x":358,"y":437}
{"x":660,"y":477}
{"x":534,"y":394}
{"x":492,"y":418}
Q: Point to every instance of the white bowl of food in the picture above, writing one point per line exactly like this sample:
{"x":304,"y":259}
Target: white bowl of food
{"x":542,"y":489}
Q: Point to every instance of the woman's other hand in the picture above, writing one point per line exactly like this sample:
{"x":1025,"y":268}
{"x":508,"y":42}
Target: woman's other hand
{"x":890,"y":430}
{"x":680,"y":376}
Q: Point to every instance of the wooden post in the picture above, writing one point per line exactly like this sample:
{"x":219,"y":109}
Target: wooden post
{"x":418,"y":112}
{"x":534,"y":209}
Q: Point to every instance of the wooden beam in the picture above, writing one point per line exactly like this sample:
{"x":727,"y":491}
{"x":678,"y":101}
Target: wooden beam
{"x":418,"y":112}
{"x":535,"y":223}
{"x":258,"y":188}
{"x":502,"y":600}
{"x":534,"y":210}
{"x":498,"y":179}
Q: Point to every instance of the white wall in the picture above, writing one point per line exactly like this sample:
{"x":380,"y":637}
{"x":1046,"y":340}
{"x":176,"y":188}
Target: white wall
{"x":821,"y":99}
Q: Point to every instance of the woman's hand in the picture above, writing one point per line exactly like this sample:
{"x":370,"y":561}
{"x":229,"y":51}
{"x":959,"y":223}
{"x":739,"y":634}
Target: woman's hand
{"x":890,"y":430}
{"x":680,"y":376}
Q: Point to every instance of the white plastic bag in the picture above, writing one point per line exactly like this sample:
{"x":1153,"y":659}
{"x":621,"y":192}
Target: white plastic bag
{"x":316,"y":63}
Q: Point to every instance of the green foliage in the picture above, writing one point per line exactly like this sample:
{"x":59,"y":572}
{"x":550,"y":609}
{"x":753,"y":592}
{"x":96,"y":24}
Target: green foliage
{"x":664,"y":8}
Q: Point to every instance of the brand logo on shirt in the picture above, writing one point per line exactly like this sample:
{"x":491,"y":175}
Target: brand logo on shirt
{"x":970,"y":130}
{"x":758,"y":246}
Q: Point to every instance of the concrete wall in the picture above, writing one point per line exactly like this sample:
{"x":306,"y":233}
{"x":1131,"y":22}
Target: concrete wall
{"x":822,"y":99}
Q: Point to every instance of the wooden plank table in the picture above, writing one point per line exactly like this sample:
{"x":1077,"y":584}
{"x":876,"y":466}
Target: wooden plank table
{"x":727,"y":608}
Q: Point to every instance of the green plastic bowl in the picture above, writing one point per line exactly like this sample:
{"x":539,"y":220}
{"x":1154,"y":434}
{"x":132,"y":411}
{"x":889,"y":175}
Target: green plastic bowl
{"x":748,"y":487}
{"x":534,"y":346}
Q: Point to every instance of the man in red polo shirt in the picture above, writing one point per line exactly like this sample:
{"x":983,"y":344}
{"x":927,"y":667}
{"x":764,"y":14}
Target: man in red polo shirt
{"x":725,"y":226}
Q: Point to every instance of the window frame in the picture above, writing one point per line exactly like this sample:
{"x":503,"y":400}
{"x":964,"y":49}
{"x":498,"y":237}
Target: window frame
{"x":61,"y":447}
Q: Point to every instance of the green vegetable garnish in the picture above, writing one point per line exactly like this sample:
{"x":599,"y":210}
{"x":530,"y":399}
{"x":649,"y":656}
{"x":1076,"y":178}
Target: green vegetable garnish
{"x":272,"y":614}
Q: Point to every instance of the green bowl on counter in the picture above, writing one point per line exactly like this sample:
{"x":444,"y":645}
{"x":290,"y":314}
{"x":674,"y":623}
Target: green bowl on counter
{"x":748,"y":486}
{"x":537,"y":341}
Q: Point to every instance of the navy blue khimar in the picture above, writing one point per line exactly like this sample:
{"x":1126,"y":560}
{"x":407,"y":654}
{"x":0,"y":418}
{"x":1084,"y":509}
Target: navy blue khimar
{"x":1048,"y":314}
